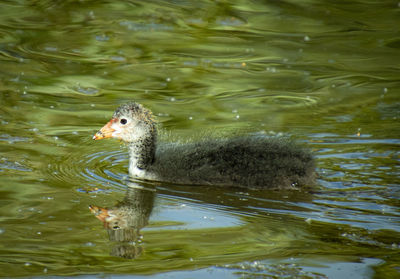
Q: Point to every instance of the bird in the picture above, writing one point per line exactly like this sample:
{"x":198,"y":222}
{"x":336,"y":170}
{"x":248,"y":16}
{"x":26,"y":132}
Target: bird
{"x":246,"y":161}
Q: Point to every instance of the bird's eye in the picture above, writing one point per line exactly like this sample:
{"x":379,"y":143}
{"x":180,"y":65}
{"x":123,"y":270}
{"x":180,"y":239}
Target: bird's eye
{"x":123,"y":121}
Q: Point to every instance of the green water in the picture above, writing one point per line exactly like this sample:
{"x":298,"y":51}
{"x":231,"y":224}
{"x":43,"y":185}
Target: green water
{"x":326,"y":73}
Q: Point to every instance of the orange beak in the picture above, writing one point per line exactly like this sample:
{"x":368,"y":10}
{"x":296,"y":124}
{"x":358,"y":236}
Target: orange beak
{"x":105,"y":132}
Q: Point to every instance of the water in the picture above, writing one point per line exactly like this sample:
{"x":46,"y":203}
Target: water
{"x":324,"y":73}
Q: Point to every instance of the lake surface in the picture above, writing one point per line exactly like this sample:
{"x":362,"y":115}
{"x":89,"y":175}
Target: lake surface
{"x":325,"y":73}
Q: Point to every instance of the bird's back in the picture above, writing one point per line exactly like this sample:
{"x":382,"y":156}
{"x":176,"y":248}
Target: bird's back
{"x":257,"y":162}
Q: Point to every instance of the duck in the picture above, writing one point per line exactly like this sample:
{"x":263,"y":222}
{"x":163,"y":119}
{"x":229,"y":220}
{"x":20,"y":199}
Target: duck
{"x":249,"y":161}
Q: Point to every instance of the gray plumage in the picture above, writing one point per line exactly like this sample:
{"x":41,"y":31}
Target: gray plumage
{"x":254,"y":162}
{"x":244,"y":161}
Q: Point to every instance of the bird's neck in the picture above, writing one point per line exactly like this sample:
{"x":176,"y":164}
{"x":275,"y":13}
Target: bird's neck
{"x":141,"y":155}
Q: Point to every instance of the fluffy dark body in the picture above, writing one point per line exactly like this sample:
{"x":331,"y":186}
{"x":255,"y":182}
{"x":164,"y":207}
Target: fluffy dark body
{"x":252,"y":162}
{"x":244,"y":161}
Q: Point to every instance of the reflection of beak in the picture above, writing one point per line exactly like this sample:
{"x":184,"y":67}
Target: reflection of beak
{"x":100,"y":213}
{"x":105,"y":132}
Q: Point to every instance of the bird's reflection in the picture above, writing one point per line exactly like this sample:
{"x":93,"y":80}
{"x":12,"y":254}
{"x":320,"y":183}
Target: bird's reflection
{"x":124,"y":221}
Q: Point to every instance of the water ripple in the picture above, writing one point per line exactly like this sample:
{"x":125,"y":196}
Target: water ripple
{"x":99,"y":169}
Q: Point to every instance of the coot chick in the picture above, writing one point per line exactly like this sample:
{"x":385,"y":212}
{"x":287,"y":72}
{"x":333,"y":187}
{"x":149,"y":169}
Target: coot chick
{"x":245,"y":161}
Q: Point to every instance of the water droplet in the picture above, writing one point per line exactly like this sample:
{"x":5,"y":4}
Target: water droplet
{"x":117,"y":58}
{"x":102,"y":38}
